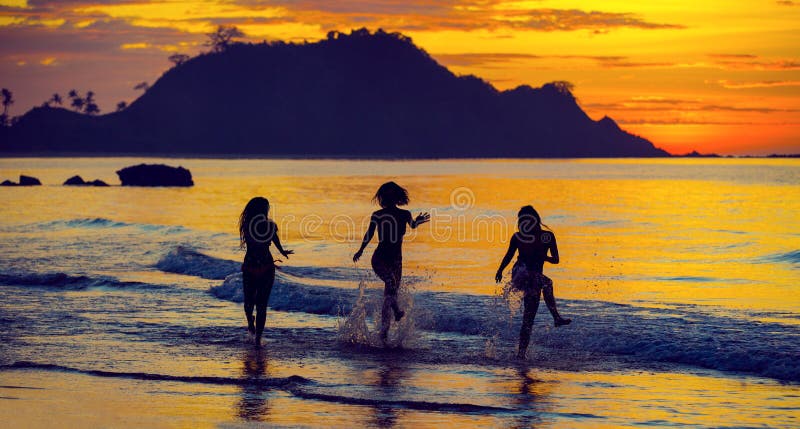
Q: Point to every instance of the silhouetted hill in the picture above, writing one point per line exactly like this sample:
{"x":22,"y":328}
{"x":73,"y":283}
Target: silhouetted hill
{"x":356,"y":95}
{"x":696,"y":154}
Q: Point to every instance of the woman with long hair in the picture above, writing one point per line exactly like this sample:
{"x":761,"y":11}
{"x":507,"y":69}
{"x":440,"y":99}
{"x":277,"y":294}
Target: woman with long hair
{"x":387,"y":261}
{"x":533,"y":244}
{"x":256,"y":232}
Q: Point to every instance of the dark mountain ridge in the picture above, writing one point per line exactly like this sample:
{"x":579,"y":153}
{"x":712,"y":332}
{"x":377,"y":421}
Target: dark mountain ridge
{"x":358,"y":95}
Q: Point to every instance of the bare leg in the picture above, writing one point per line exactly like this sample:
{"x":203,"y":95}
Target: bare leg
{"x":386,"y":317}
{"x":550,"y":301}
{"x":531,"y":302}
{"x":248,"y":313}
{"x":249,"y":301}
{"x":261,"y":319}
{"x":390,"y":273}
{"x":261,"y":295}
{"x":398,"y":313}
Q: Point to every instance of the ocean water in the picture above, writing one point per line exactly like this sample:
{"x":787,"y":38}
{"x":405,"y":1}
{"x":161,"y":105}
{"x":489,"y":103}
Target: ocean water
{"x":122,"y":306}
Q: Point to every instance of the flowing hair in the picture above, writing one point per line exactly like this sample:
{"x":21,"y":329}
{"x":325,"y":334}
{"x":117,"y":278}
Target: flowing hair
{"x":529,"y":220}
{"x":391,"y":194}
{"x":255,"y":208}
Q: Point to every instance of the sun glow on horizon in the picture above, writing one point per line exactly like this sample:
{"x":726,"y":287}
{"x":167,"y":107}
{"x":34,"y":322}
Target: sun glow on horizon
{"x":712,"y":76}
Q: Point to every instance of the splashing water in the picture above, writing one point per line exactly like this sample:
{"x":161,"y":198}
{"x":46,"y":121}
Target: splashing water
{"x":354,"y":329}
{"x":490,"y":347}
{"x":505,"y":306}
{"x":406,"y":334}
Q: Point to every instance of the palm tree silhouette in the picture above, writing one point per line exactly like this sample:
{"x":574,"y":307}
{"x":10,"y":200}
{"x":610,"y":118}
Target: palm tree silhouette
{"x":77,"y":101}
{"x":8,"y":100}
{"x":56,"y":99}
{"x":90,"y":107}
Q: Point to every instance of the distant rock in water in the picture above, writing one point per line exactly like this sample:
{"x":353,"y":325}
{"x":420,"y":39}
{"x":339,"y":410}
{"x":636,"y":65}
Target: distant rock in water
{"x":155,"y":175}
{"x":74,"y":181}
{"x":696,"y":154}
{"x":363,"y":94}
{"x":28,"y":181}
{"x":23,"y":181}
{"x":78,"y":181}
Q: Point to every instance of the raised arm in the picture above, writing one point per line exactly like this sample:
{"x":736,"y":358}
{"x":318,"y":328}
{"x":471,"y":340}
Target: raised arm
{"x":367,"y":238}
{"x":553,"y":248}
{"x":277,"y":242}
{"x":419,"y":220}
{"x":512,"y":248}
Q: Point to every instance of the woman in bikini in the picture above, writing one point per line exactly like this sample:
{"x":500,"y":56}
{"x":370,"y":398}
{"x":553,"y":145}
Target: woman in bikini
{"x":533,"y":244}
{"x":387,"y":261}
{"x":256,"y":232}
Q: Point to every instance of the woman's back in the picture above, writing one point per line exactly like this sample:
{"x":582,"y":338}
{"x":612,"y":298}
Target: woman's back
{"x":533,"y":248}
{"x":390,"y":223}
{"x":258,"y":238}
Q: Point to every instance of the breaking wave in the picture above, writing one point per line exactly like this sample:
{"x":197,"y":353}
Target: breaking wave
{"x":95,"y":223}
{"x":296,"y":385}
{"x":792,"y":257}
{"x":264,"y":382}
{"x":184,"y":260}
{"x":68,"y":282}
{"x":688,"y":336}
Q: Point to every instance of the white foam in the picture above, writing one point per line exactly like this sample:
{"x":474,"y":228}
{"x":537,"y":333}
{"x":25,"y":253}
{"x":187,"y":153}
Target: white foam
{"x":686,"y":335}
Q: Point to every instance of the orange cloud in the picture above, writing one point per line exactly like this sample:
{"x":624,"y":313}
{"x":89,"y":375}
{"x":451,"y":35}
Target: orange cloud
{"x":645,"y":104}
{"x":732,"y":56}
{"x":763,"y":84}
{"x":700,"y":65}
{"x":753,"y":62}
{"x":474,"y":59}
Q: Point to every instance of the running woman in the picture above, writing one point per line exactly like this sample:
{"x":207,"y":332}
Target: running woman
{"x":533,"y":244}
{"x":387,"y":261}
{"x":256,"y":232}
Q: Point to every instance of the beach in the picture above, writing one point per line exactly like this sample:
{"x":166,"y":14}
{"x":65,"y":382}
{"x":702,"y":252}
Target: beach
{"x":121,"y":306}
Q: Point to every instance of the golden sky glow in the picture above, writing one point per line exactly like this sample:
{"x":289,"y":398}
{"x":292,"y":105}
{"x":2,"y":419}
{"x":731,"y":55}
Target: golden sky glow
{"x":716,"y":76}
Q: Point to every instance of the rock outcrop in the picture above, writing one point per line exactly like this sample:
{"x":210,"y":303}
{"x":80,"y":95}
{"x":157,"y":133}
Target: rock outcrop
{"x":28,"y":181}
{"x":23,"y":181}
{"x":155,"y":175}
{"x":78,"y":181}
{"x":363,"y":94}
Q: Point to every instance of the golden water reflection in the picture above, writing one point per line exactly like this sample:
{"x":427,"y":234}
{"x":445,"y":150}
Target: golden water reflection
{"x":646,"y":231}
{"x":253,"y":404}
{"x":540,"y":398}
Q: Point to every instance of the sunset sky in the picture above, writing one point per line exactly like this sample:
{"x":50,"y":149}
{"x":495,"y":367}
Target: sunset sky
{"x":716,"y":76}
